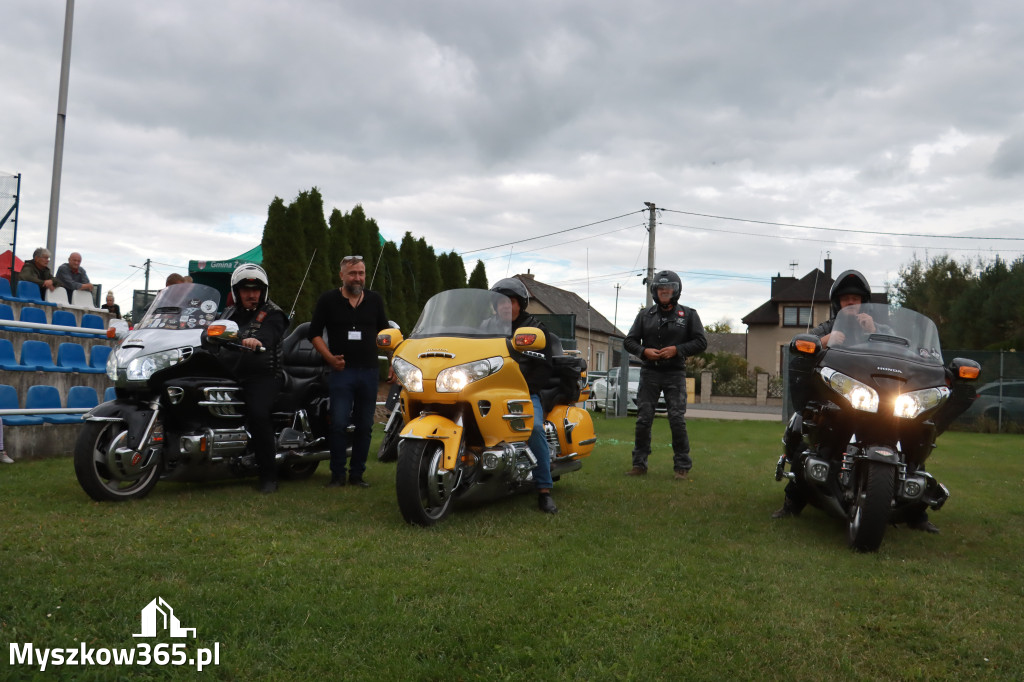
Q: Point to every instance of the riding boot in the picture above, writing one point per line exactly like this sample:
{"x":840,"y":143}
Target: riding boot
{"x":546,"y":504}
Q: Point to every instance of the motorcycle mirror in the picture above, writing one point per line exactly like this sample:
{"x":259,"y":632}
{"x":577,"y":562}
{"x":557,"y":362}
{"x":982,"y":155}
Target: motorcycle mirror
{"x":222,"y":330}
{"x":118,"y":329}
{"x":964,"y":368}
{"x":388,"y":339}
{"x":529,"y":338}
{"x":806,"y":344}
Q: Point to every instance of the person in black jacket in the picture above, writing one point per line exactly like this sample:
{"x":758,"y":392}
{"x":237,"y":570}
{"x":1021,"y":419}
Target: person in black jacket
{"x":663,"y":336}
{"x":537,"y":373}
{"x":261,"y":324}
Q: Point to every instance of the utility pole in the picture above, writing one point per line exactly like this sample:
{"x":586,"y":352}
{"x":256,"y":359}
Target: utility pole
{"x":650,"y":253}
{"x":62,"y":114}
{"x":147,"y":276}
{"x":615,"y":322}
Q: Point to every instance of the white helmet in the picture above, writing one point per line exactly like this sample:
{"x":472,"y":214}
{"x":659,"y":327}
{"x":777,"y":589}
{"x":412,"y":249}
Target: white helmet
{"x":249,"y":275}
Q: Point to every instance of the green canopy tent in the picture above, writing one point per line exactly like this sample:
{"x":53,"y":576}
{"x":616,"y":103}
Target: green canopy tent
{"x":217,"y":273}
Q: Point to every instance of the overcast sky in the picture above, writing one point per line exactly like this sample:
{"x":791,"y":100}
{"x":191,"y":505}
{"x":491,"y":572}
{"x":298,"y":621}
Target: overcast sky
{"x":474,"y":124}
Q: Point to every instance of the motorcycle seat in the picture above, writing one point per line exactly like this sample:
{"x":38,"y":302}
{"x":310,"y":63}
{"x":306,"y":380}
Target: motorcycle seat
{"x":304,"y":368}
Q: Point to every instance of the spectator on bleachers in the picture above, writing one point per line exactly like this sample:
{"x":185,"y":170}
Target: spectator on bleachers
{"x":72,"y":275}
{"x":38,"y":270}
{"x":112,"y":307}
{"x":4,"y":457}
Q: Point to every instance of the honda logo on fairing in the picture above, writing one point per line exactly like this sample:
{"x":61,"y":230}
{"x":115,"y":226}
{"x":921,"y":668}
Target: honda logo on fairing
{"x":889,"y":369}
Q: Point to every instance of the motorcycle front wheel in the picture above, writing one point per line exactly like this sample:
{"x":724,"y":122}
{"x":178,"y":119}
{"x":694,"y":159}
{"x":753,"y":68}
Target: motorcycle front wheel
{"x":96,"y":454}
{"x":872,"y":507}
{"x":423,"y":488}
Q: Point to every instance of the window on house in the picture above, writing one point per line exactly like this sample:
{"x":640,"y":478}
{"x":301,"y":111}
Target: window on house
{"x":599,"y":361}
{"x":796,"y":316}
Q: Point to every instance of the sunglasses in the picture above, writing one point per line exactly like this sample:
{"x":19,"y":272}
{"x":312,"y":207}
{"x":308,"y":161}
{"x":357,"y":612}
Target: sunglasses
{"x":348,"y":258}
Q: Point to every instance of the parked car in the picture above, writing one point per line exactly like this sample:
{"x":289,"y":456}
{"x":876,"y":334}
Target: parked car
{"x":988,"y":403}
{"x":605,"y":391}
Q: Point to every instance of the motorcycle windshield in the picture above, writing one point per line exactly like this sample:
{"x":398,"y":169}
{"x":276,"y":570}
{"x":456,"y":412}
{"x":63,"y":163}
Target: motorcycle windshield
{"x":469,"y":313}
{"x":182,"y":306}
{"x":876,"y":329}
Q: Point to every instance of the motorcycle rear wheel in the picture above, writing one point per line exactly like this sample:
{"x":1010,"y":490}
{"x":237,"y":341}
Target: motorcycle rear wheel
{"x":424,"y":495}
{"x":92,"y":448}
{"x":297,"y":471}
{"x":872,"y":507}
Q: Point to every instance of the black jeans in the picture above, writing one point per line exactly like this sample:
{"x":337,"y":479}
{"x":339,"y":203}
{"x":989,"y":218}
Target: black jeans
{"x":259,"y":393}
{"x":652,"y":384}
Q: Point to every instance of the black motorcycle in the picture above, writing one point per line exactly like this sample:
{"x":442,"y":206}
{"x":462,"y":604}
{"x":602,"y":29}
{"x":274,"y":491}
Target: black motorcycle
{"x":179,"y":413}
{"x":875,"y":402}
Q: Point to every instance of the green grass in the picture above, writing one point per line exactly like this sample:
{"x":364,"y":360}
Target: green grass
{"x":635,"y":579}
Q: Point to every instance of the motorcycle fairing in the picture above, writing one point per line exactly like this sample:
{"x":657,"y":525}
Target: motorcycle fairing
{"x":436,"y":427}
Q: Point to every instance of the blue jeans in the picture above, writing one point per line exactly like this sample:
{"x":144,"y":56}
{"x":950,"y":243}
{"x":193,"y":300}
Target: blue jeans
{"x":539,"y":447}
{"x":353,"y":401}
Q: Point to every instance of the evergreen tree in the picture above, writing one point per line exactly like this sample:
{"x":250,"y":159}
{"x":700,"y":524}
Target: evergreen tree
{"x":281,"y":259}
{"x":478,"y":278}
{"x":453,"y":271}
{"x":430,"y":274}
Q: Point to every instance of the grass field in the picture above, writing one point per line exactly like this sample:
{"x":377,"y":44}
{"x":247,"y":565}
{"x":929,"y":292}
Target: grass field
{"x":635,"y":579}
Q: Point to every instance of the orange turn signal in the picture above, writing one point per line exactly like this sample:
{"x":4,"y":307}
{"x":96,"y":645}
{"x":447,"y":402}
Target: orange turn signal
{"x":215,"y":329}
{"x":383,"y":341}
{"x":525,"y":339}
{"x":804,"y":346}
{"x":111,"y":333}
{"x":969,"y":372}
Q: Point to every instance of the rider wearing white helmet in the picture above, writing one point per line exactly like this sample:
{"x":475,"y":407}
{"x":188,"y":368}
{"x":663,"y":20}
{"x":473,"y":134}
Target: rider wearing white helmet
{"x":261,"y":324}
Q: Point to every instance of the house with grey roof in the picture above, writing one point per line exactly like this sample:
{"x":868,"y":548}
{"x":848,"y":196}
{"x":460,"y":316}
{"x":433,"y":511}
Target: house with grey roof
{"x":795,"y":306}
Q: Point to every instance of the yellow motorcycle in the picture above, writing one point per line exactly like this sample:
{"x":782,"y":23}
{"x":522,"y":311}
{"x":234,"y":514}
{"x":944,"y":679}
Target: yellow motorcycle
{"x":468,"y":413}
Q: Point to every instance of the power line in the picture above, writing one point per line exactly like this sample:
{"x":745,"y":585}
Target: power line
{"x":550,"y":234}
{"x":840,"y":229}
{"x":571,"y":241}
{"x":823,"y":241}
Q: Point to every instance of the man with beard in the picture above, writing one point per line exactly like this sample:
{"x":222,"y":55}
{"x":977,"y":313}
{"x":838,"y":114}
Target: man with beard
{"x":663,"y":336}
{"x":352,"y":317}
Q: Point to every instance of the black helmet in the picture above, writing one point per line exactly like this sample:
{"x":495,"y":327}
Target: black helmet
{"x":513,"y":288}
{"x":666,"y":278}
{"x":848,"y":282}
{"x":250,"y":275}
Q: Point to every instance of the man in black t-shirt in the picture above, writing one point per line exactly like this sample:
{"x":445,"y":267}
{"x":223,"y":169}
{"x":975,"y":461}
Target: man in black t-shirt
{"x":352,"y":317}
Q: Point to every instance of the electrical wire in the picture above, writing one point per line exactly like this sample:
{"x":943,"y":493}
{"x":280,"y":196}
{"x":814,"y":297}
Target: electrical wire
{"x":842,"y":229}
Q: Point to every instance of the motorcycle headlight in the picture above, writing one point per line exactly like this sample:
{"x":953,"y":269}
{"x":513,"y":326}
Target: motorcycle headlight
{"x":409,"y":374}
{"x":915,"y":403}
{"x":112,"y":365}
{"x":454,"y":379}
{"x":143,"y":367}
{"x":861,"y":396}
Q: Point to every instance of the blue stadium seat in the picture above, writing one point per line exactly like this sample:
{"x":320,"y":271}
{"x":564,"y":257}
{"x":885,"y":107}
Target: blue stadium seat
{"x":42,"y":397}
{"x":83,"y":396}
{"x":6,"y":293}
{"x":29,"y":291}
{"x":91,"y":321}
{"x":9,"y":401}
{"x":64,"y":318}
{"x":109,"y":394}
{"x":37,"y":315}
{"x":98,"y":355}
{"x":36,"y":355}
{"x":7,"y":359}
{"x":71,"y":357}
{"x":7,"y":313}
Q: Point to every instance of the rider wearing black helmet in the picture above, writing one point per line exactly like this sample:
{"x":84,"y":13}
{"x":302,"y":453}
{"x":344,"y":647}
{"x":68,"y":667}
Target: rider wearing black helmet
{"x":536,"y":372}
{"x":849,"y":291}
{"x":261,"y":324}
{"x":663,"y":336}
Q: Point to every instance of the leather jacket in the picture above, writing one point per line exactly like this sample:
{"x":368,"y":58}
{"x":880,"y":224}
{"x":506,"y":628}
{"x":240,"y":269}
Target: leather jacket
{"x":680,"y":327}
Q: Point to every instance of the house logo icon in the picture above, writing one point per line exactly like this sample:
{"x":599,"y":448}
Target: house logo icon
{"x":159,"y":614}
